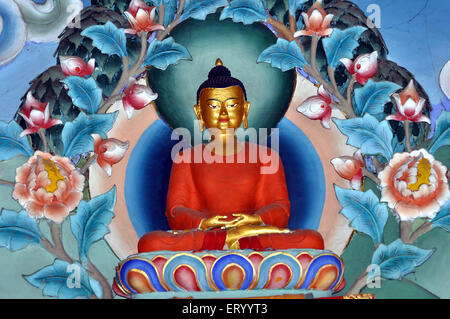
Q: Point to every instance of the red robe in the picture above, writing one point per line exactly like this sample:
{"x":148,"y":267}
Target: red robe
{"x":202,"y":190}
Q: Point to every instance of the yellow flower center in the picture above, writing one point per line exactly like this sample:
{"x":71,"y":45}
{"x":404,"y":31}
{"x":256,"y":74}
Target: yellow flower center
{"x":53,"y":175}
{"x":423,"y":175}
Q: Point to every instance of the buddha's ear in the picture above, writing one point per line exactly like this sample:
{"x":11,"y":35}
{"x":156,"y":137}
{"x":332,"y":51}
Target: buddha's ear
{"x":198,"y":113}
{"x":245,"y":117}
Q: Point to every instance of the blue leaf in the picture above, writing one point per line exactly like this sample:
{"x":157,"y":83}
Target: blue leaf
{"x":341,"y":44}
{"x":76,"y":135}
{"x":90,"y":223}
{"x":397,"y":259}
{"x":85,"y":93}
{"x":372,"y":97}
{"x":442,"y":132}
{"x":294,"y":5}
{"x":170,"y":8}
{"x":107,"y":38}
{"x":63,"y":280}
{"x":10,"y":142}
{"x":442,"y":219}
{"x":366,"y":133}
{"x":284,"y":55}
{"x":18,"y":230}
{"x":200,"y":9}
{"x":245,"y":11}
{"x":161,"y":54}
{"x":364,"y":211}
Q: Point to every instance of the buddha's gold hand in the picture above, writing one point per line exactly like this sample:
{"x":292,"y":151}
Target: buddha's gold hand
{"x":215,"y":221}
{"x":244,"y":219}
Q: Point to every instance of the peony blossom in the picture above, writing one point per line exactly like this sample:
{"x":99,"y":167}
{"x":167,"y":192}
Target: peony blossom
{"x":317,"y":107}
{"x":48,"y":186}
{"x":409,"y":106}
{"x":141,"y":18}
{"x":414,"y":185}
{"x":365,"y":66}
{"x":350,"y":168}
{"x":37,"y":115}
{"x":317,"y":22}
{"x":137,"y":96}
{"x":73,"y":65}
{"x":109,"y":152}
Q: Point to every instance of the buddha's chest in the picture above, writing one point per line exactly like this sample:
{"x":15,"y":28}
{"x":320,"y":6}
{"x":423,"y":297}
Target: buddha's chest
{"x":228,"y":179}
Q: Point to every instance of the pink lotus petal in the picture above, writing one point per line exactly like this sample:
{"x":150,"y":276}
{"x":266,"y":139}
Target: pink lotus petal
{"x":142,"y":19}
{"x":305,"y":20}
{"x":396,"y":117}
{"x":315,"y":20}
{"x":421,"y":118}
{"x":21,"y":193}
{"x":56,"y":212}
{"x":356,"y":182}
{"x":29,"y":131}
{"x":348,"y":65}
{"x":325,"y":119}
{"x":72,"y":200}
{"x":326,"y":21}
{"x":34,"y":209}
{"x":325,"y":32}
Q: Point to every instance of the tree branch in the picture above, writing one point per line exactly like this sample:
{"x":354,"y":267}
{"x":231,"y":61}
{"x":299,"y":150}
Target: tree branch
{"x":56,"y":248}
{"x":3,"y":181}
{"x":88,"y":163}
{"x":359,"y":284}
{"x":405,"y":230}
{"x":173,"y":24}
{"x":97,"y":275}
{"x":371,"y":175}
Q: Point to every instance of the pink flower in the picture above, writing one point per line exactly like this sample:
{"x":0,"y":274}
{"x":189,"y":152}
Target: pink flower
{"x":141,"y":18}
{"x":350,"y":168}
{"x":409,"y":106}
{"x":109,"y":152}
{"x":48,"y":186}
{"x":365,"y":66}
{"x":414,"y":185}
{"x":317,"y":22}
{"x":37,"y":115}
{"x":73,"y":65}
{"x":317,"y":107}
{"x":137,"y":97}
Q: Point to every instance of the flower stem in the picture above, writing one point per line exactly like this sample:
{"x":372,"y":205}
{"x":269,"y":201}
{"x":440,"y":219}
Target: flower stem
{"x":2,"y":181}
{"x":407,"y":236}
{"x":407,"y":136}
{"x":41,"y":133}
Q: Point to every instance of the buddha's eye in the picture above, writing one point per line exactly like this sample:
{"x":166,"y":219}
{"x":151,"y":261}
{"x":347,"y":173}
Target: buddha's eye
{"x":212,"y":106}
{"x":232,"y":105}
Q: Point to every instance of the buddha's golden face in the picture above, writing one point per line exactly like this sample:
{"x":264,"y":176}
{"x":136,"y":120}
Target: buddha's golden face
{"x":222,"y":108}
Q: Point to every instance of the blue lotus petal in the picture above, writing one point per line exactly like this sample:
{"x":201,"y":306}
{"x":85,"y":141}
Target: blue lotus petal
{"x":10,"y":142}
{"x":245,"y":11}
{"x":90,"y":223}
{"x":76,"y":135}
{"x":364,"y":211}
{"x":341,"y":44}
{"x":18,"y":230}
{"x":366,"y":133}
{"x":397,"y":259}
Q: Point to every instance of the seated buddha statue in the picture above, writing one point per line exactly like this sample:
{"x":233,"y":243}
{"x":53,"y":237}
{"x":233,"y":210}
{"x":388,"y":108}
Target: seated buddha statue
{"x":227,"y":203}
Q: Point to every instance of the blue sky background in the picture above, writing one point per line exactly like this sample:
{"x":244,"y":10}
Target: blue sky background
{"x":417,"y":34}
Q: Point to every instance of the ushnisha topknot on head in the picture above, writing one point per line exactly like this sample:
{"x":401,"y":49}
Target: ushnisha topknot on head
{"x":220,"y":77}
